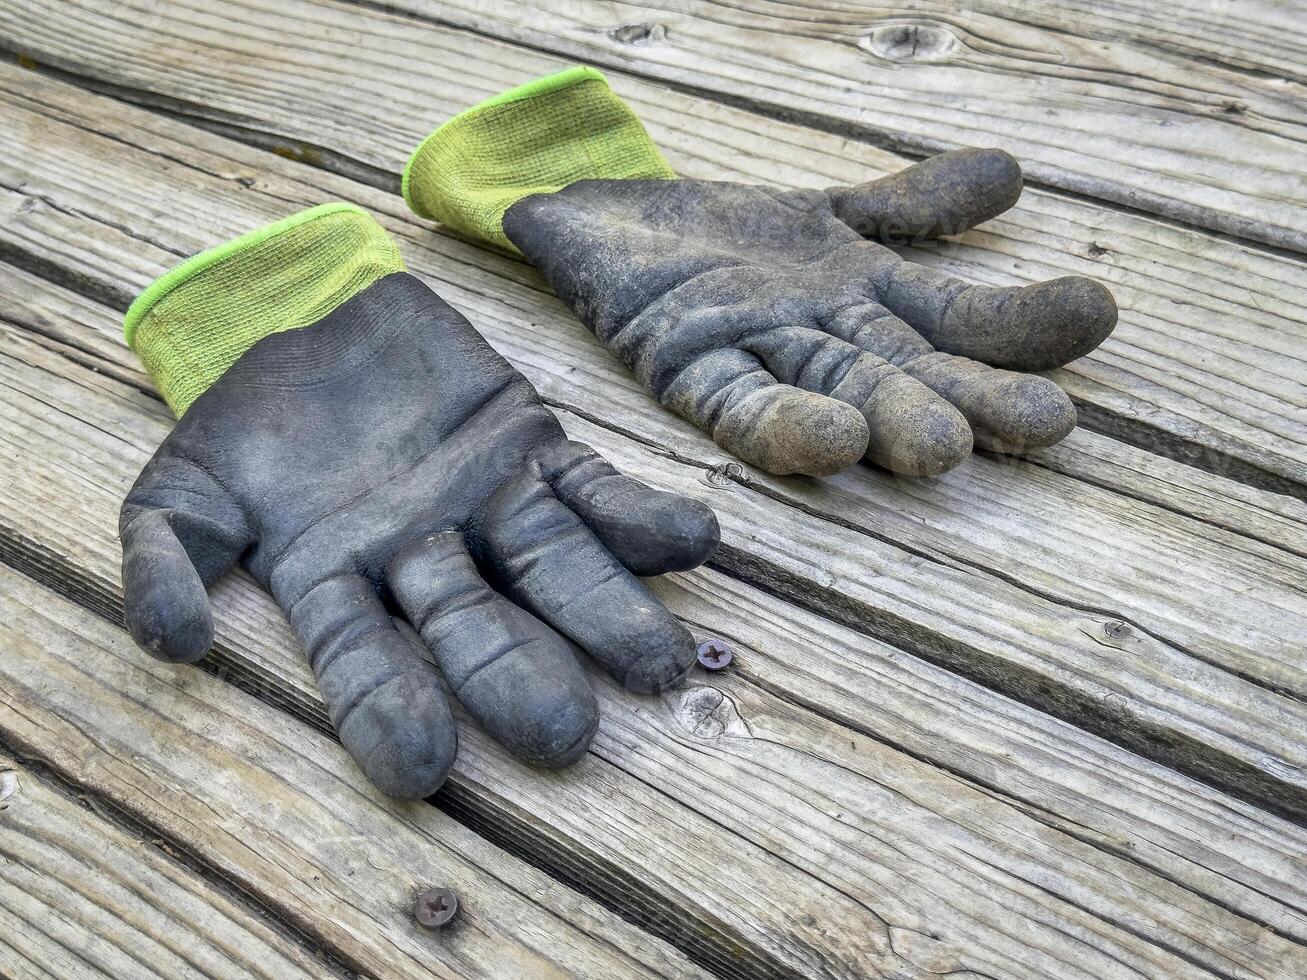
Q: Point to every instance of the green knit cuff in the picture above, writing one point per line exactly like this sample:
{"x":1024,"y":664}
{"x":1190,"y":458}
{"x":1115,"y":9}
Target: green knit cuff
{"x":191,"y":324}
{"x":534,"y":139}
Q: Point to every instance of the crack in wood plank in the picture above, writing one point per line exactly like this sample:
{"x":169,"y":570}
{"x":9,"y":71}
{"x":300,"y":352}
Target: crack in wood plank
{"x":1194,"y":415}
{"x":142,"y":887}
{"x":271,"y":630}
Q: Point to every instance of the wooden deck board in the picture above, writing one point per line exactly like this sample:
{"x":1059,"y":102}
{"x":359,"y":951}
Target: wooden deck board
{"x":1203,"y":134}
{"x":734,"y":758}
{"x":861,"y":761}
{"x":275,"y":807}
{"x":1214,"y":710}
{"x":711,"y":749}
{"x":1204,"y":366}
{"x":80,"y":894}
{"x":1195,"y":115}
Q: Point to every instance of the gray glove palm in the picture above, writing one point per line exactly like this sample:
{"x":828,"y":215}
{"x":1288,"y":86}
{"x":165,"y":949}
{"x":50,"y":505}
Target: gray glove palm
{"x":775,"y":320}
{"x":769,"y":319}
{"x":382,"y":459}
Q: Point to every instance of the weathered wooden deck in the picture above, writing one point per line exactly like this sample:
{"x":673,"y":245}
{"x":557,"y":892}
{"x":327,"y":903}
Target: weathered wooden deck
{"x":1045,"y":718}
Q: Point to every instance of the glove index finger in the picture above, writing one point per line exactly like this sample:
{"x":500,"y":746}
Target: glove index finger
{"x":649,"y":531}
{"x":383,"y":696}
{"x":1035,"y":327}
{"x":549,"y":560}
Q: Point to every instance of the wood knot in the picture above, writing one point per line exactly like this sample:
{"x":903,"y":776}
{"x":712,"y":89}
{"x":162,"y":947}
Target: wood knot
{"x":1113,"y":633}
{"x":1115,"y":629}
{"x":638,"y":33}
{"x":910,"y":41}
{"x":707,"y":713}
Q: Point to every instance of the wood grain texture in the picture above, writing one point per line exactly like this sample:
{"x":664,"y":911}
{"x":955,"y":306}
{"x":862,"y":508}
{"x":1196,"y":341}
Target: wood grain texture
{"x":1042,"y":763}
{"x":725,"y":795}
{"x":850,"y":547}
{"x":1092,"y":790}
{"x":1091,"y":103}
{"x":269,"y":804}
{"x":1205,"y":366}
{"x":1039,"y":850}
{"x":673,"y":762}
{"x":81,"y":897}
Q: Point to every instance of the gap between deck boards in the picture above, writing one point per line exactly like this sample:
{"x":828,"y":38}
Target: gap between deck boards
{"x":272,"y":806}
{"x":455,"y":800}
{"x":1108,"y":726}
{"x":117,"y":300}
{"x":160,"y":412}
{"x":1171,"y":432}
{"x":173,"y":850}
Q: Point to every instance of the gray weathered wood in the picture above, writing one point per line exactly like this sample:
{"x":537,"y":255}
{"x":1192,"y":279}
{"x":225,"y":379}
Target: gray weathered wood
{"x":1091,"y":103}
{"x":1039,"y":850}
{"x":272,"y":806}
{"x":80,"y":897}
{"x":1090,"y":788}
{"x":1194,"y":113}
{"x":1212,"y":710}
{"x":1205,"y":366}
{"x":1224,"y":503}
{"x":948,"y":883}
{"x":1212,"y":844}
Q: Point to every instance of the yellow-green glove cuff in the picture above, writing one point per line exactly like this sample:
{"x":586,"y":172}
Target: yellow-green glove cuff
{"x":191,"y":324}
{"x":534,"y":139}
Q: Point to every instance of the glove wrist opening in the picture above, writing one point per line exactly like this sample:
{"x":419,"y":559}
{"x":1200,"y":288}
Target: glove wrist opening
{"x":533,"y":139}
{"x":190,"y":325}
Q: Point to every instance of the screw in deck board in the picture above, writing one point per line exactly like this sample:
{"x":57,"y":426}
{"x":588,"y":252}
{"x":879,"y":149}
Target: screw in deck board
{"x":435,"y":907}
{"x":715,"y":654}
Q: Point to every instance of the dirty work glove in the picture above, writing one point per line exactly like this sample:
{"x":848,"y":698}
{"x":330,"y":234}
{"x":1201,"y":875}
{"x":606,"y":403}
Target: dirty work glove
{"x":768,"y":318}
{"x":358,"y":447}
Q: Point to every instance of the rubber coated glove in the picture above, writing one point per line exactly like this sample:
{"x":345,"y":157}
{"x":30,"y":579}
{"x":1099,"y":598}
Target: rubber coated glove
{"x":766,"y":317}
{"x":358,"y":447}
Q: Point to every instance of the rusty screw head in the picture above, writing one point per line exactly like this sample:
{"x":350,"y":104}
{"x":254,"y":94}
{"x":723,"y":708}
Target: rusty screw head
{"x":715,"y":654}
{"x":435,"y":907}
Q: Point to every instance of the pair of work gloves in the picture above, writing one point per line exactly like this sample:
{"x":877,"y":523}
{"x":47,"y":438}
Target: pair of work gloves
{"x":350,"y":439}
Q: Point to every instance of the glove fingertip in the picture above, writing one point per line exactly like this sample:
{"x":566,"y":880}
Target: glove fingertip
{"x":1026,"y":412}
{"x":400,"y":732}
{"x":166,"y":604}
{"x":927,"y":437}
{"x":668,"y":653}
{"x":699,"y":535}
{"x":677,"y":534}
{"x":170,"y":622}
{"x":785,"y":430}
{"x":997,"y":171}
